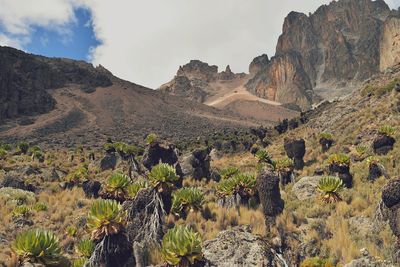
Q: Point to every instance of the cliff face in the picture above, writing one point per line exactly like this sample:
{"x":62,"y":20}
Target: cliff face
{"x":25,"y":79}
{"x":284,"y":80}
{"x":338,"y":46}
{"x":390,"y":43}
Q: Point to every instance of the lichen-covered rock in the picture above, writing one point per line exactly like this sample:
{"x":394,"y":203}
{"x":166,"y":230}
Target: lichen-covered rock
{"x":237,"y":247}
{"x":368,"y":260}
{"x":15,"y":181}
{"x":306,"y":187}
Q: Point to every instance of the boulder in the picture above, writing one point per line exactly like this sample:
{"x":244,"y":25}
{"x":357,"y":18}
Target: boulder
{"x":14,"y":181}
{"x":382,"y":144}
{"x":237,"y":247}
{"x":269,"y":194}
{"x":306,"y":187}
{"x":368,"y":260}
{"x":109,"y":161}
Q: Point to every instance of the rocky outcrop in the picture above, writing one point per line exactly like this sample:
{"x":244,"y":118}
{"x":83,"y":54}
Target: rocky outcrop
{"x":238,"y":247}
{"x":390,"y":43}
{"x":336,"y":48}
{"x":184,"y":87}
{"x":306,"y":187}
{"x":25,"y":79}
{"x":283,"y":80}
{"x":259,"y":63}
{"x":195,"y":80}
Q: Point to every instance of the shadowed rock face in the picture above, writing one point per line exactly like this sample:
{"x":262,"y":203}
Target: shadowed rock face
{"x":24,"y":79}
{"x":283,"y":80}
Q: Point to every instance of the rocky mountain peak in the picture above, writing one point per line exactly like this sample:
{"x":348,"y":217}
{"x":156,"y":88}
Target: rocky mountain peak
{"x":198,"y":69}
{"x":338,"y":47}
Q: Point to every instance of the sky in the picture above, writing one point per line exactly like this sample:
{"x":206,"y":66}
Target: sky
{"x":146,"y":41}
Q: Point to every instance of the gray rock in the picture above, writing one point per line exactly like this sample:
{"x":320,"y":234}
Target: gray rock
{"x":236,"y":247}
{"x":306,"y":187}
{"x":367,"y":260}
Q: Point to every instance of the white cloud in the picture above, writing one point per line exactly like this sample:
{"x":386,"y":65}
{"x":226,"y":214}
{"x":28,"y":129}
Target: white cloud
{"x":146,"y":41}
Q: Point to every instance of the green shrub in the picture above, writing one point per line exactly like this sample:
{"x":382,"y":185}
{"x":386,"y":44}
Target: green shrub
{"x":22,"y":210}
{"x":229,"y":172}
{"x":40,"y":207}
{"x":79,"y":262}
{"x":23,"y":147}
{"x":325,"y":135}
{"x":316,"y":262}
{"x":283,"y":164}
{"x":163,"y":176}
{"x":243,"y":184}
{"x":187,"y":199}
{"x":116,"y":186}
{"x":3,"y":153}
{"x":372,"y":160}
{"x":339,"y":159}
{"x":151,"y":138}
{"x":38,"y":246}
{"x":124,"y":149}
{"x":329,"y":188}
{"x":85,"y":248}
{"x":78,"y":175}
{"x":135,"y":187}
{"x":263,"y":156}
{"x":5,"y":146}
{"x":105,"y":218}
{"x":72,"y":230}
{"x":181,"y":246}
{"x":361,"y":150}
{"x":387,"y":130}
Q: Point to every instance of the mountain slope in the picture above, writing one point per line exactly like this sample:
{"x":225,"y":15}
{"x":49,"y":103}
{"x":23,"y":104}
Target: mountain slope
{"x":60,"y":100}
{"x":224,"y":90}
